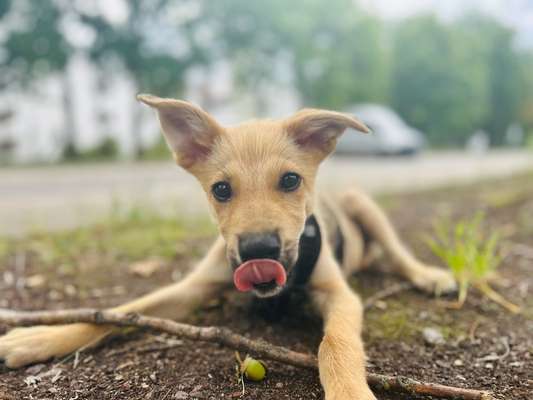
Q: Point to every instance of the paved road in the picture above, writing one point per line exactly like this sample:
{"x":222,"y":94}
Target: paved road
{"x":56,"y":197}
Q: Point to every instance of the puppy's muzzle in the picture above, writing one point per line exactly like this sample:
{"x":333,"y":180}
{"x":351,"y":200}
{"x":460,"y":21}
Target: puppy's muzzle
{"x":260,"y":269}
{"x":259,"y":245}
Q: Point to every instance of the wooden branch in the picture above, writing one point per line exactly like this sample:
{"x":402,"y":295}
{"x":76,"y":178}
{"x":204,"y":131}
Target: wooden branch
{"x":259,"y":348}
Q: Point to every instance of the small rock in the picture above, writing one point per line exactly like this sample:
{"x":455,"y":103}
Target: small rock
{"x":181,"y":395}
{"x":433,"y":336}
{"x":489,"y":366}
{"x":458,"y":363}
{"x":279,"y":385}
{"x":153,"y":377}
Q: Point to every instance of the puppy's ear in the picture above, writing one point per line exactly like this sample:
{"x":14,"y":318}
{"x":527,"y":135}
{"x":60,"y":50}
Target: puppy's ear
{"x":318,"y":130}
{"x":189,"y":131}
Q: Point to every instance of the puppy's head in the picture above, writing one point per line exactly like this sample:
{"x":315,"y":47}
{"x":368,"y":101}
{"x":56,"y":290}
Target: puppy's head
{"x":259,"y":178}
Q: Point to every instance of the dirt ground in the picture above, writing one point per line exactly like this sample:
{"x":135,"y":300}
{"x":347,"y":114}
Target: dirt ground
{"x":485,"y":347}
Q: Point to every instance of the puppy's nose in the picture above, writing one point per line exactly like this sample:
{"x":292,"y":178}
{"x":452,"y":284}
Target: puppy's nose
{"x":259,"y":245}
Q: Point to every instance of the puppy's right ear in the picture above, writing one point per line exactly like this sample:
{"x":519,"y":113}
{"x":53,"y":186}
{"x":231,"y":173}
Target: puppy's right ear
{"x":189,"y":131}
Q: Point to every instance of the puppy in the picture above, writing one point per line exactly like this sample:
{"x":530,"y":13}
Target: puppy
{"x":275,"y":235}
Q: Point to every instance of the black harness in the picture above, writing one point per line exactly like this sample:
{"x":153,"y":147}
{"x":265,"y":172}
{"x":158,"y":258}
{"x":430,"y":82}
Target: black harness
{"x":308,"y":251}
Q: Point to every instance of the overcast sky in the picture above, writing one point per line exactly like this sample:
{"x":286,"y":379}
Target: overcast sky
{"x":514,"y":13}
{"x":517,"y":14}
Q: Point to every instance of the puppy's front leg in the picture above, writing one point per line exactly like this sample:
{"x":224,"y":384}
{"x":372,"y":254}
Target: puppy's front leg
{"x":341,"y":357}
{"x":24,"y":346}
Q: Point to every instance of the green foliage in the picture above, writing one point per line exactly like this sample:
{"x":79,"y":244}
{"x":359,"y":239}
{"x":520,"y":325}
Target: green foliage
{"x":446,"y":79}
{"x":158,"y":151}
{"x":106,"y":150}
{"x":336,"y":54}
{"x":152,"y":68}
{"x":37,"y":46}
{"x":503,"y":80}
{"x":470,"y":254}
{"x":5,"y":5}
{"x":529,"y":141}
{"x":439,"y":80}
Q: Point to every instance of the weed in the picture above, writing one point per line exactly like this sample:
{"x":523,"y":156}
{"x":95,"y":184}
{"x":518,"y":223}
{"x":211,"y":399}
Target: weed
{"x":126,"y":234}
{"x":471,"y":255}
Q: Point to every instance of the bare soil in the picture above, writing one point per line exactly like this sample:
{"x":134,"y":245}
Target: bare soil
{"x":485,"y":346}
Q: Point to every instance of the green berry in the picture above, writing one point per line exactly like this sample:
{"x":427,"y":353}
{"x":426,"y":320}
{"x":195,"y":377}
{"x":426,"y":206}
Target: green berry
{"x":254,"y":370}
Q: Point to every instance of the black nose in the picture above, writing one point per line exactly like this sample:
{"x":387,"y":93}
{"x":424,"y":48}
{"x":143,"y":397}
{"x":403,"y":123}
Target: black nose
{"x":259,"y":245}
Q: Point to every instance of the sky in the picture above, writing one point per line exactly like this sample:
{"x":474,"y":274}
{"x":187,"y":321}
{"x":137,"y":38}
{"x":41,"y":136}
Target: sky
{"x":517,"y":14}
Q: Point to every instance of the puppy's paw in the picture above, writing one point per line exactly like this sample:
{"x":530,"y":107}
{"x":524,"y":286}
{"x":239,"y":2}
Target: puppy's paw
{"x":434,"y":280}
{"x":23,"y":346}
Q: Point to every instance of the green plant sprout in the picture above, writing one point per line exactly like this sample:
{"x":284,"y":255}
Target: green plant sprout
{"x":471,"y":255}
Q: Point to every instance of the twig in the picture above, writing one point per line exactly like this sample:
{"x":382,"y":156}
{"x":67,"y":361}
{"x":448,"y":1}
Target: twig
{"x":387,"y":292}
{"x":230,"y":339}
{"x":493,"y":295}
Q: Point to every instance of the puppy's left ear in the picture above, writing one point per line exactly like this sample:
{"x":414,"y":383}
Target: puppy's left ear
{"x":318,"y":130}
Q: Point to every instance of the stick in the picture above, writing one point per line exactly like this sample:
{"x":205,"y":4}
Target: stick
{"x":226,"y":337}
{"x":387,"y":292}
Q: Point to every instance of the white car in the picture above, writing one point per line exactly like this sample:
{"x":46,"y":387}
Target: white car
{"x":390,"y":134}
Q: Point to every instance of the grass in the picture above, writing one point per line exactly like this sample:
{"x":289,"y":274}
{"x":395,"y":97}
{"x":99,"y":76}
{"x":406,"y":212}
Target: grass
{"x":126,"y":234}
{"x":471,"y":255}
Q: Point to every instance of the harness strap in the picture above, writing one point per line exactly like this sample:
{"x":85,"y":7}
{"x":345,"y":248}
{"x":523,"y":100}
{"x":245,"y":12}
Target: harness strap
{"x":309,"y":250}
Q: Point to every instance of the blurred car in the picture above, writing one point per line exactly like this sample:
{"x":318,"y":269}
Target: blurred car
{"x":390,"y":134}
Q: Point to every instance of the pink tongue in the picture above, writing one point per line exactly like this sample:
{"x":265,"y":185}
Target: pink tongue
{"x":253,"y":272}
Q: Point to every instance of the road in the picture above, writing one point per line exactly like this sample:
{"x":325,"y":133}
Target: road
{"x":58,"y":197}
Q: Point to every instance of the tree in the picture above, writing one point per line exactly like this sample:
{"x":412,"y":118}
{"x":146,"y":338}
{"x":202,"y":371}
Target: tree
{"x":36,"y":49}
{"x":331,"y":53}
{"x":525,"y":108}
{"x":503,"y":79}
{"x":5,"y":5}
{"x":438,"y":80}
{"x":158,"y":69}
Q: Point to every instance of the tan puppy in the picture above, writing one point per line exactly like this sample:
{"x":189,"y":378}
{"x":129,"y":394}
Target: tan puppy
{"x":259,"y":177}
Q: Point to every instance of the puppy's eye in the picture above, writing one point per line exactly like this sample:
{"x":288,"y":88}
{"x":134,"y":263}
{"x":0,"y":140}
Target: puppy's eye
{"x":290,"y":182}
{"x":221,"y":191}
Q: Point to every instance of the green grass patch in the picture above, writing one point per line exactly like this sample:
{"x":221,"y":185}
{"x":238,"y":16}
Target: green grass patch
{"x":126,"y":234}
{"x":471,"y":254}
